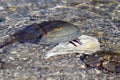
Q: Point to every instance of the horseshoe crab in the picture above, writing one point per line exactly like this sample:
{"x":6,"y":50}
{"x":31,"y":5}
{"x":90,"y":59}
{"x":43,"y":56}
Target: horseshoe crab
{"x":47,"y":32}
{"x":88,"y":45}
{"x":107,"y":61}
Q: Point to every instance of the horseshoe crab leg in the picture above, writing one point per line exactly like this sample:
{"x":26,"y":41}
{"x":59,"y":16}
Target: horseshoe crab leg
{"x":72,"y":43}
{"x":75,"y":41}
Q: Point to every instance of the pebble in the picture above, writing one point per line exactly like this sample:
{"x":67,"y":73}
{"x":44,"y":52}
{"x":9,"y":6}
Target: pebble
{"x":13,"y":52}
{"x":12,"y":9}
{"x":1,"y":8}
{"x":50,"y":78}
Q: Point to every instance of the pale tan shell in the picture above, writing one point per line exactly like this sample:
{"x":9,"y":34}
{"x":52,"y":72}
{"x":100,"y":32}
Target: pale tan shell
{"x":89,"y":45}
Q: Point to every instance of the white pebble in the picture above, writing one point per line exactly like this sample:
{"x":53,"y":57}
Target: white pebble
{"x":1,"y":8}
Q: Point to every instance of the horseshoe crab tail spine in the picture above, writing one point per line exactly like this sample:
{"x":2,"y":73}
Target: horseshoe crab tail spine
{"x":9,"y":42}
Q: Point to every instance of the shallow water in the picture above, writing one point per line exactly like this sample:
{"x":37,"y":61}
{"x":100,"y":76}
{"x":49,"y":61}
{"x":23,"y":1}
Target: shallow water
{"x":100,"y":19}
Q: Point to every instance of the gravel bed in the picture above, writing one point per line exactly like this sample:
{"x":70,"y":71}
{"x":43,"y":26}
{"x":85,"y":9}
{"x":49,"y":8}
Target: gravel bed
{"x":98,"y":18}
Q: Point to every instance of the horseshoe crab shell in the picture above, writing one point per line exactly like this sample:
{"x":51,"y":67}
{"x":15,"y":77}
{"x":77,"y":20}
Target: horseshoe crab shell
{"x":58,"y":31}
{"x":89,"y":45}
{"x":47,"y":32}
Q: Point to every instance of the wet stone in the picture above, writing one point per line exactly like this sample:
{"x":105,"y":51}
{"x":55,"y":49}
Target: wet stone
{"x":107,"y":61}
